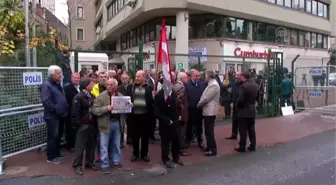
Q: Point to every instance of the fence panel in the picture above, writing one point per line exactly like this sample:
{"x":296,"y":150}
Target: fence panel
{"x":315,"y":88}
{"x":20,"y":86}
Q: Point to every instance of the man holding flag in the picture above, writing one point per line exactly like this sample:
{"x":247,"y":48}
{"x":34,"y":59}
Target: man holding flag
{"x":165,"y":107}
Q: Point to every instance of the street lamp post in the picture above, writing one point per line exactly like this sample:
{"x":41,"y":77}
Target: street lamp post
{"x":26,"y":11}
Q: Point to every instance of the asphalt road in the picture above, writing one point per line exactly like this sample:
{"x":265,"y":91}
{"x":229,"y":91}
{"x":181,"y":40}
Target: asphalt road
{"x":308,"y":161}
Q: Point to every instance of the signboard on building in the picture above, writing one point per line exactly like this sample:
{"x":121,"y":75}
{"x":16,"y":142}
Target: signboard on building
{"x":195,"y":52}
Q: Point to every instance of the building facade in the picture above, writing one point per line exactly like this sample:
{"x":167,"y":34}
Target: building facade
{"x":49,"y":4}
{"x":222,"y":31}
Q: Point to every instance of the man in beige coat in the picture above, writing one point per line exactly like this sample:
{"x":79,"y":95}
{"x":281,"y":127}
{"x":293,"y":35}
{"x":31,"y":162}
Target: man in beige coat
{"x":209,"y":102}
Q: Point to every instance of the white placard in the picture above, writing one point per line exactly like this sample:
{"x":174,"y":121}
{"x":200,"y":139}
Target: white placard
{"x":315,"y":94}
{"x":32,"y":78}
{"x":121,"y":104}
{"x":316,"y":71}
{"x":35,"y":120}
{"x":287,"y":110}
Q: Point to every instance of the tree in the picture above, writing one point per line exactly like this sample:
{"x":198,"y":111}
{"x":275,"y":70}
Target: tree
{"x":72,"y":13}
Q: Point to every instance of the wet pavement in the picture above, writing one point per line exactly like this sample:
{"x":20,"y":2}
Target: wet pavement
{"x":270,"y":132}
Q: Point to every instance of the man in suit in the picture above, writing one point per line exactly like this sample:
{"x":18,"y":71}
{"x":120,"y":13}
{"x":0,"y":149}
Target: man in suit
{"x":71,"y":90}
{"x":182,"y":103}
{"x":142,"y":98}
{"x":234,"y":96}
{"x":209,"y":102}
{"x":195,"y":88}
{"x":248,"y":94}
{"x":122,"y":88}
{"x":151,"y":83}
{"x":167,"y":113}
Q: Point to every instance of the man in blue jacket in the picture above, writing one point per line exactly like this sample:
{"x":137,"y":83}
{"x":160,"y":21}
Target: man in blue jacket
{"x":195,"y":88}
{"x":55,"y":110}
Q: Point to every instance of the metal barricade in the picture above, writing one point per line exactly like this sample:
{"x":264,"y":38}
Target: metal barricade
{"x":315,"y":88}
{"x":22,"y":127}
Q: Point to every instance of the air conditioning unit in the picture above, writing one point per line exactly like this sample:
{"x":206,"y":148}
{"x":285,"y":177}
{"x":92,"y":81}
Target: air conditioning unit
{"x":131,"y":3}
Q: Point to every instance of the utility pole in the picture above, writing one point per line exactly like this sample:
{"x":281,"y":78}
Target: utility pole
{"x":26,"y":10}
{"x":34,"y":31}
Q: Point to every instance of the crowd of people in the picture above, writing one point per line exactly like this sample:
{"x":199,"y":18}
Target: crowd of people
{"x":84,"y":109}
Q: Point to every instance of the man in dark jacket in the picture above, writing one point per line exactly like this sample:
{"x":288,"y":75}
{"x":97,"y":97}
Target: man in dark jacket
{"x":247,"y":98}
{"x":167,"y":113}
{"x":87,"y":128}
{"x":142,"y":98}
{"x":234,"y":97}
{"x":71,"y":90}
{"x":122,"y":88}
{"x":55,"y":111}
{"x":195,"y":88}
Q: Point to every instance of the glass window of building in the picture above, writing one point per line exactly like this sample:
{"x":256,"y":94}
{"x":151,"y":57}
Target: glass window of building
{"x":307,"y":40}
{"x":152,"y":30}
{"x":325,"y":11}
{"x":288,"y":3}
{"x":308,"y":6}
{"x":293,"y":37}
{"x":314,"y":7}
{"x":313,"y":40}
{"x":271,"y":33}
{"x":302,"y":39}
{"x":302,"y":5}
{"x":319,"y":41}
{"x":146,"y":33}
{"x":271,"y":1}
{"x":242,"y":29}
{"x":230,"y":27}
{"x":295,"y":4}
{"x":259,"y":31}
{"x":320,"y":9}
{"x":280,"y":2}
{"x":325,"y":41}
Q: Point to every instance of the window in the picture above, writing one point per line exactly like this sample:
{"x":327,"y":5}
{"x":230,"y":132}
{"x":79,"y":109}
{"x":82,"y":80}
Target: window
{"x":302,"y":39}
{"x":259,"y":31}
{"x":109,"y":12}
{"x":80,"y":12}
{"x":308,"y":6}
{"x":295,"y":4}
{"x":80,"y":34}
{"x":271,"y":33}
{"x":320,"y":9}
{"x":288,"y":3}
{"x":325,"y":41}
{"x":314,"y":7}
{"x":319,"y":41}
{"x":294,"y":37}
{"x":271,"y":1}
{"x":307,"y":40}
{"x":325,"y":11}
{"x":302,"y":5}
{"x":230,"y":26}
{"x":242,"y":29}
{"x":313,"y":40}
{"x":280,"y":2}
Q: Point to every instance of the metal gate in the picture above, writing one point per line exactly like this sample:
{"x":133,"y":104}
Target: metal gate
{"x":315,"y":88}
{"x":22,"y":127}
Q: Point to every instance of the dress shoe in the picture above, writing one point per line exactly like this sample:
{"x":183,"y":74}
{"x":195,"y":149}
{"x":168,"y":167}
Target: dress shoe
{"x":146,"y":159}
{"x":91,"y":167}
{"x":134,"y":158}
{"x":252,"y":149}
{"x":79,"y":171}
{"x":210,"y":153}
{"x":129,"y":142}
{"x":201,"y":146}
{"x":154,"y":138}
{"x":168,"y":164}
{"x":184,"y":153}
{"x":105,"y":170}
{"x":240,"y":150}
{"x":179,"y":162}
{"x":231,"y":138}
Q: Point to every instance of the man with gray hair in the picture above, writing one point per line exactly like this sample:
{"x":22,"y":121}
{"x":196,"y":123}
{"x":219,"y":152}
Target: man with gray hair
{"x":55,"y":110}
{"x":209,"y":103}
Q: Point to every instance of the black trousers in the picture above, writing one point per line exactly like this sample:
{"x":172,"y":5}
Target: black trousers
{"x":247,"y":126}
{"x":209,"y":130}
{"x":195,"y":120}
{"x":169,"y":140}
{"x":182,"y":134}
{"x":55,"y":128}
{"x":86,"y":141}
{"x":152,"y":120}
{"x":235,"y":122}
{"x":70,"y":134}
{"x":227,"y":109}
{"x":141,"y":128}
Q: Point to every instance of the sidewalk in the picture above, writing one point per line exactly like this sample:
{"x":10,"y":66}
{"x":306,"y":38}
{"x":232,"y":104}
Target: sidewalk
{"x":270,"y":131}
